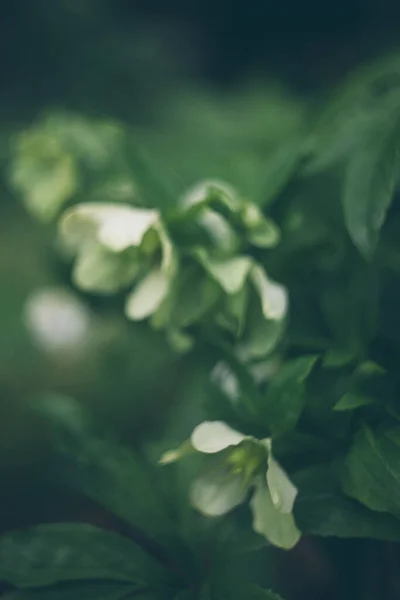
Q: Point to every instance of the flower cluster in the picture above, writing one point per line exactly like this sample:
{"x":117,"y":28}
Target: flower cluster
{"x":190,"y":270}
{"x":55,"y":161}
{"x":237,"y":466}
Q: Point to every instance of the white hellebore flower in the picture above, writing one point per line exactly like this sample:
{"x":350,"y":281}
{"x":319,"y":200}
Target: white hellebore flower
{"x":114,"y":245}
{"x":242,"y":463}
{"x":58,"y":321}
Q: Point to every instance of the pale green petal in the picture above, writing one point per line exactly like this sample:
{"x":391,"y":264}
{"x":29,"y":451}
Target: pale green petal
{"x":261,"y":231}
{"x":201,"y":193}
{"x":101,"y":271}
{"x":147,"y":296}
{"x":278,"y":528}
{"x":126,"y":227}
{"x":265,"y":235}
{"x":230,"y":273}
{"x":116,"y":226}
{"x":171,"y":456}
{"x":214,"y":436}
{"x":219,"y":230}
{"x":273,"y":296}
{"x":218,"y":491}
{"x":169,"y":260}
{"x":283,"y":492}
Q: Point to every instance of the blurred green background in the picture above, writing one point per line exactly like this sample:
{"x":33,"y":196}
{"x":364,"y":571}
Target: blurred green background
{"x":209,"y":89}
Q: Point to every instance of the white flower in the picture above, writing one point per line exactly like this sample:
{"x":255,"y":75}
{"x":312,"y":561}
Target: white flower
{"x":57,"y":320}
{"x":114,"y":243}
{"x":115,"y":226}
{"x":240,"y":464}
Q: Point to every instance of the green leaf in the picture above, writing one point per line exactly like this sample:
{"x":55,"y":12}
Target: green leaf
{"x":196,"y":294}
{"x":111,"y":474}
{"x":147,"y":296}
{"x":187,"y":595}
{"x":352,"y":400}
{"x":333,"y":146}
{"x":322,"y":509}
{"x":277,"y":527}
{"x":239,"y":590}
{"x":179,"y":341}
{"x":371,"y":472}
{"x":280,"y":169}
{"x":80,"y":591}
{"x":48,"y":554}
{"x":158,"y":185}
{"x":371,"y":177}
{"x":284,"y":400}
{"x":350,"y":304}
{"x":261,"y":335}
{"x":236,"y":538}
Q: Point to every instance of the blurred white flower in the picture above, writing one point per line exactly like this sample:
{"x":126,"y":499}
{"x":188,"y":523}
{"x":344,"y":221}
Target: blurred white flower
{"x":240,"y":466}
{"x":57,"y":320}
{"x":226,"y":380}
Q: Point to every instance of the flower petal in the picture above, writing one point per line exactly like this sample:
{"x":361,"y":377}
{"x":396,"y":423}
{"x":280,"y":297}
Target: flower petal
{"x":219,"y":230}
{"x":214,"y":436}
{"x":201,"y":193}
{"x":169,"y":257}
{"x":101,"y":271}
{"x":230,"y":273}
{"x":261,"y":231}
{"x":116,"y":226}
{"x":218,"y":491}
{"x":283,"y":492}
{"x":273,"y":296}
{"x":147,"y":296}
{"x":126,"y":227}
{"x":278,"y":528}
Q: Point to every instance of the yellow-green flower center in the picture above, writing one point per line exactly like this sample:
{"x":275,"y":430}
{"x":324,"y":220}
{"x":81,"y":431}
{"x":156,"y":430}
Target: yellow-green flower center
{"x":247,"y":459}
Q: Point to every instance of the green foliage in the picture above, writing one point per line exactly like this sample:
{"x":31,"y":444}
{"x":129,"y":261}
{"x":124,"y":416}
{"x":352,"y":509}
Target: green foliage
{"x":89,"y":591}
{"x":291,"y":315}
{"x":50,"y":554}
{"x":370,"y":472}
{"x":371,"y":179}
{"x":284,"y":401}
{"x":118,"y":479}
{"x":323,"y":509}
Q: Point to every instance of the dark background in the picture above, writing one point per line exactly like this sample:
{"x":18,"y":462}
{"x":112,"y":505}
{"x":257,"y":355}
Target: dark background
{"x":114,"y":55}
